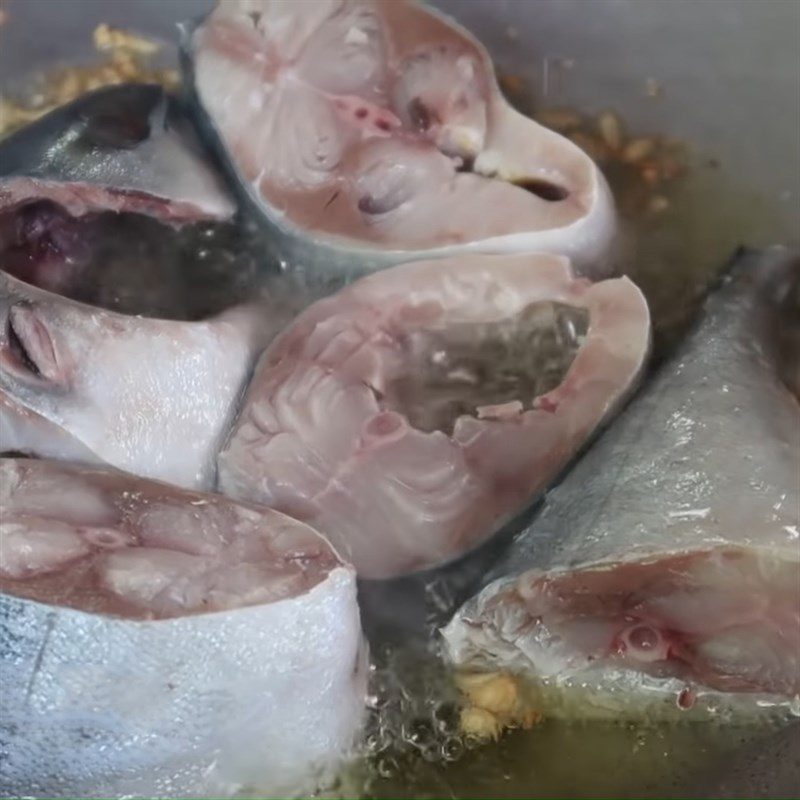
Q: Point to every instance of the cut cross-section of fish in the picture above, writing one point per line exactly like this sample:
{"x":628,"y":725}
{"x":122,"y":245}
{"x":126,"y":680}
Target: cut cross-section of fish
{"x":151,"y":396}
{"x":156,"y":642}
{"x":369,"y":133}
{"x":663,"y":574}
{"x":413,"y":413}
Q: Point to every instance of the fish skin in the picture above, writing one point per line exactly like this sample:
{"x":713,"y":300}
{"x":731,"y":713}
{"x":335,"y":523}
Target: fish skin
{"x":507,"y":153}
{"x":394,"y":495}
{"x":122,"y":148}
{"x":266,"y":693}
{"x":701,"y":472}
{"x":151,"y":396}
{"x":780,"y":289}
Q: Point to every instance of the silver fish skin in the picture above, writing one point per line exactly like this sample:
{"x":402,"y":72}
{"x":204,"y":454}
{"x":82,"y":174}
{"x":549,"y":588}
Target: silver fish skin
{"x":780,"y":289}
{"x":666,"y":566}
{"x":413,"y":413}
{"x":151,"y":396}
{"x":127,"y":148}
{"x":351,"y":125}
{"x":156,"y":642}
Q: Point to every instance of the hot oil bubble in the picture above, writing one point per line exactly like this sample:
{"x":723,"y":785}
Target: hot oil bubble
{"x":452,"y":748}
{"x":414,"y":721}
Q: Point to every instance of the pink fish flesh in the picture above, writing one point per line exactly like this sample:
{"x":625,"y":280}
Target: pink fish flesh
{"x":411,"y":414}
{"x":162,"y":643}
{"x":371,"y":133}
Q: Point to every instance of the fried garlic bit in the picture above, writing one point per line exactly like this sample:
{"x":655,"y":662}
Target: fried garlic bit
{"x":108,"y":38}
{"x":126,"y":58}
{"x":493,"y":702}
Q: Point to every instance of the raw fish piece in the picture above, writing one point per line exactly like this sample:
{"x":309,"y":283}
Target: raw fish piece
{"x":154,"y":397}
{"x":131,"y":263}
{"x":156,"y":642}
{"x":371,"y":133}
{"x":125,"y":148}
{"x":664,"y":572}
{"x":413,"y":413}
{"x":95,"y":198}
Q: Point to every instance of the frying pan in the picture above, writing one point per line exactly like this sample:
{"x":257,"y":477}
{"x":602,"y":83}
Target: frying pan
{"x":723,"y":75}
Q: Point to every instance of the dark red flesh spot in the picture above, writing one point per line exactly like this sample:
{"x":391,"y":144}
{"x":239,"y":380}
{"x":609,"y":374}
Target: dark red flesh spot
{"x":420,"y":114}
{"x":384,"y":424}
{"x":686,"y":698}
{"x":116,"y":130}
{"x":546,"y":404}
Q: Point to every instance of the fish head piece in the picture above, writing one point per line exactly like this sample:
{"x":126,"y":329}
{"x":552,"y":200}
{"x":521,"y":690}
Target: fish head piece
{"x":49,"y":348}
{"x":147,"y":395}
{"x":30,"y":357}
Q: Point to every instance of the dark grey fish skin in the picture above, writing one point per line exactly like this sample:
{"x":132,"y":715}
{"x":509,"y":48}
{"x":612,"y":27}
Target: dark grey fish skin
{"x":121,"y":148}
{"x":681,"y":527}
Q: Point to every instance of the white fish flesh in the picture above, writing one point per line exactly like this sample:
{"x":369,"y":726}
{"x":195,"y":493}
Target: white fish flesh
{"x":410,"y":415}
{"x":666,"y":566}
{"x":150,"y":396}
{"x":156,"y":642}
{"x":369,"y":133}
{"x":123,"y":148}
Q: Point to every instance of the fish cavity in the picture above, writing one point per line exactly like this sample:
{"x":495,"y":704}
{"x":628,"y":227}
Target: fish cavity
{"x":468,"y":365}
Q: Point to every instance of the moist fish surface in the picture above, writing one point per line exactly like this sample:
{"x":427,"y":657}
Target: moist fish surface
{"x":410,"y":415}
{"x":780,"y":305}
{"x":370,"y":133}
{"x":150,"y":396}
{"x":131,"y":263}
{"x":125,"y":148}
{"x":664,"y":572}
{"x":110,"y":200}
{"x":156,"y":642}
